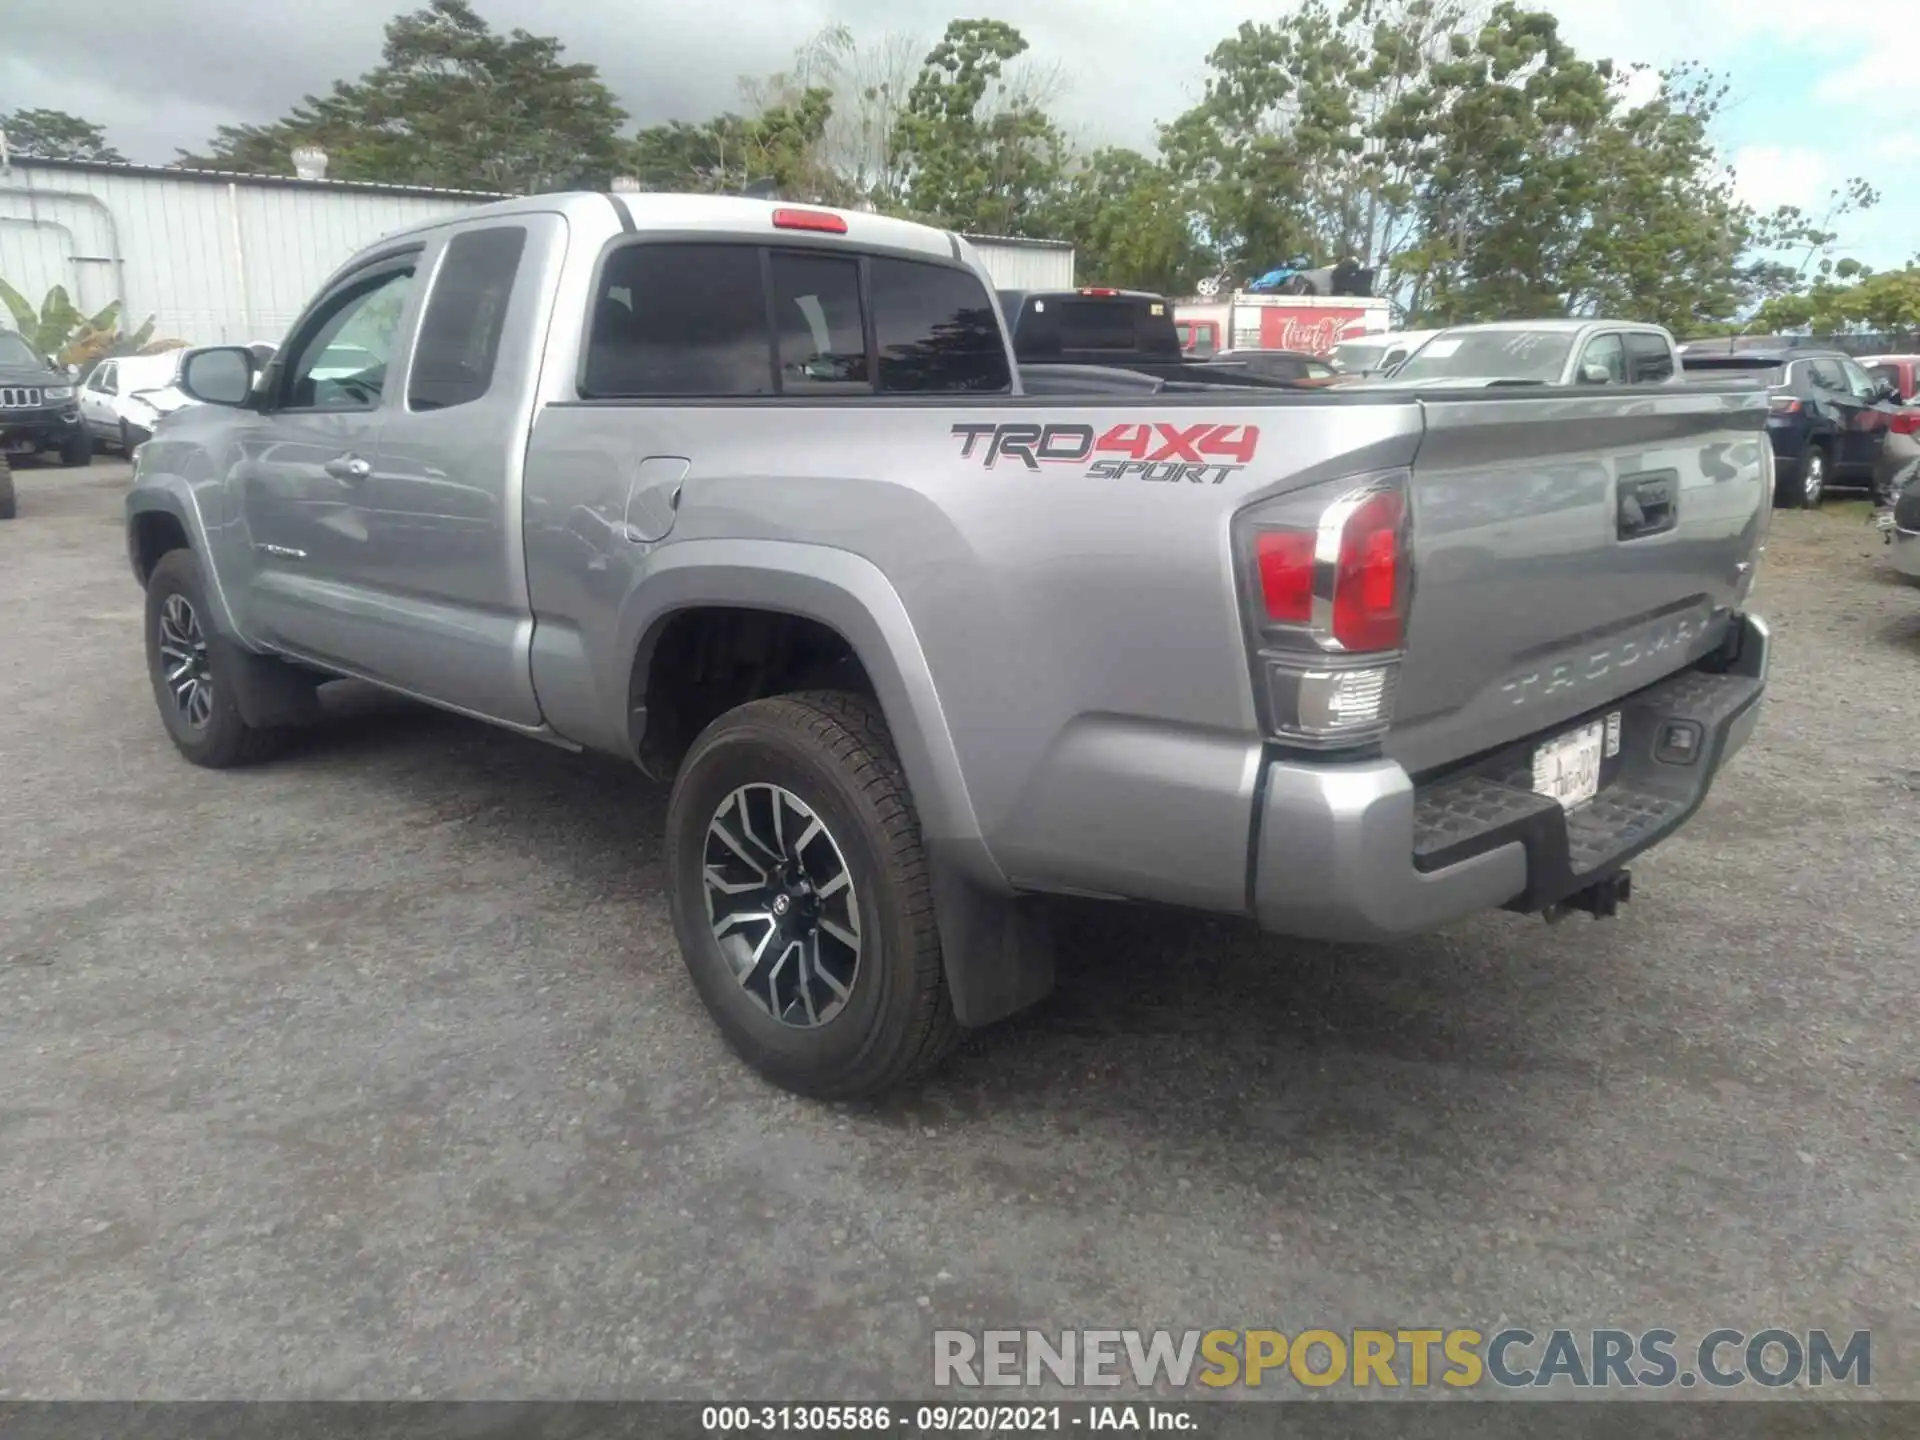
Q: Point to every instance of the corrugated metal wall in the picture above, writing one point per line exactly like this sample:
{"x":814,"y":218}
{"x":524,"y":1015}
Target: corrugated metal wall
{"x":211,"y":260}
{"x":1025,"y":267}
{"x":215,"y":260}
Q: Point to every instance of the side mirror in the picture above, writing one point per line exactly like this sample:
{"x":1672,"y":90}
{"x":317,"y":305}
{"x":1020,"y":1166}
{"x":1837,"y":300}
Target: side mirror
{"x":1595,"y":375}
{"x":219,"y":375}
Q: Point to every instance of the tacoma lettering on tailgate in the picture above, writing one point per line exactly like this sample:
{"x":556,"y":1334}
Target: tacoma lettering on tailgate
{"x":1564,"y":676}
{"x":1157,"y":452}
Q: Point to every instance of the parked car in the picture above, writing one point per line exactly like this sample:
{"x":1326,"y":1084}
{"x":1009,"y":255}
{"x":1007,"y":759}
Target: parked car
{"x":1902,"y":448}
{"x":1294,"y":365}
{"x":1828,"y":418}
{"x":123,"y":399}
{"x":753,"y":495}
{"x":1541,"y":352}
{"x":1064,"y":332}
{"x":1902,"y":372}
{"x":1378,"y":354}
{"x":38,"y":411}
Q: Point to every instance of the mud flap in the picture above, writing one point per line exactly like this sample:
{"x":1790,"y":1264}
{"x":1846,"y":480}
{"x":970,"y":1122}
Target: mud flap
{"x":998,"y":949}
{"x":269,"y":692}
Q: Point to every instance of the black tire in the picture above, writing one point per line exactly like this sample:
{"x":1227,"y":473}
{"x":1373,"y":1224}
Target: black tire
{"x":830,"y":750}
{"x":126,"y":440}
{"x":78,"y":451}
{"x":8,"y":505}
{"x":1805,"y":486}
{"x":215,"y":736}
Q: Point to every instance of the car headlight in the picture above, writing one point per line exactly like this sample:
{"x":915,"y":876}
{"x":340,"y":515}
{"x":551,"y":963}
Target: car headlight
{"x":59,"y":392}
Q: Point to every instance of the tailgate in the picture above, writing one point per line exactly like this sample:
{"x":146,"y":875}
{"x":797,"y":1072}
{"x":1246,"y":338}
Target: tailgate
{"x":1569,"y":550}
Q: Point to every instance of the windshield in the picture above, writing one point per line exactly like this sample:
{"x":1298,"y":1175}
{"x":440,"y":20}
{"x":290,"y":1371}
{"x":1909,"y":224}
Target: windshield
{"x":1358,"y":355}
{"x":1490,"y":355}
{"x":15,"y":351}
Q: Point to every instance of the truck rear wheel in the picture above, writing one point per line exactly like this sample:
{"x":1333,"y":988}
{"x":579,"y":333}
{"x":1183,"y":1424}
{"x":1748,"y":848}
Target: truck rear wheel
{"x":801,"y":897}
{"x":197,"y":703}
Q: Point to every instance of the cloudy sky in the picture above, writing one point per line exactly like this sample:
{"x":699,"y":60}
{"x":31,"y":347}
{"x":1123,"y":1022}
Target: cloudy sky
{"x":1812,"y":102}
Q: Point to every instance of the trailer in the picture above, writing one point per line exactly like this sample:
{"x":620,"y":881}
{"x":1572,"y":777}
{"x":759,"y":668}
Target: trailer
{"x":1311,"y":324}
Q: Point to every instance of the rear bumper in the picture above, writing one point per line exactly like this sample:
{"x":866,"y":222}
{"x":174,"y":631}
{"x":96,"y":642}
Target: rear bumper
{"x":1362,"y":853}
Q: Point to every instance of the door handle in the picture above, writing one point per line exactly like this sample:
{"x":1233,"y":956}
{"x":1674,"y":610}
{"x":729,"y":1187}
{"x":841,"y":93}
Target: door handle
{"x":348,"y":467}
{"x":1647,"y":506}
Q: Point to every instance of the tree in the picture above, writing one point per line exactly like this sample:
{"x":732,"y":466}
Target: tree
{"x":1310,"y":138}
{"x":1128,"y":224}
{"x":1850,"y":298}
{"x":870,"y":95}
{"x":56,"y":135}
{"x":451,"y":104}
{"x":59,"y":328}
{"x":977,"y":153}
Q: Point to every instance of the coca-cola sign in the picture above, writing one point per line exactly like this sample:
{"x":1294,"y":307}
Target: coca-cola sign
{"x":1315,"y":331}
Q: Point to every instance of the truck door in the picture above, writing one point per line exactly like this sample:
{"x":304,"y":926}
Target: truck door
{"x":298,"y":474}
{"x":441,"y":579}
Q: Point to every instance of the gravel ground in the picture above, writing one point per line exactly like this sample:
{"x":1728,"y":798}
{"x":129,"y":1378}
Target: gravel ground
{"x":374,"y":1072}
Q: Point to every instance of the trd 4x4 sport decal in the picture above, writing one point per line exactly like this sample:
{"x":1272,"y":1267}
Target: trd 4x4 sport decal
{"x":1197,"y":454}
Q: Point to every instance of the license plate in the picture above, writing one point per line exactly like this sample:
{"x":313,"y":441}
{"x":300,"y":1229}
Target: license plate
{"x":1568,"y":769}
{"x":22,"y":447}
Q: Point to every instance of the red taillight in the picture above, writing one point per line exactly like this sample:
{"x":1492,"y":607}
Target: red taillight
{"x":822,"y":220}
{"x":1369,"y":601}
{"x":1285,"y":561}
{"x":1368,"y":608}
{"x":1096,"y":290}
{"x":1783,"y":405}
{"x":1905,"y":422}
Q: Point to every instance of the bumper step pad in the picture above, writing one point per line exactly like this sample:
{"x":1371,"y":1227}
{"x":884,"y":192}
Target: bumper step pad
{"x":1641,"y":798}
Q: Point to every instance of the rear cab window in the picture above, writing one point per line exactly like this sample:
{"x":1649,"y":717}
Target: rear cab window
{"x":1095,"y":322}
{"x":459,"y":342}
{"x":1649,"y":358}
{"x":736,"y":319}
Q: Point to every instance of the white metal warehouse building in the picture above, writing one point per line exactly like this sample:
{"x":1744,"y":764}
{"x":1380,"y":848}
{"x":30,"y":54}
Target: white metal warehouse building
{"x":225,"y":258}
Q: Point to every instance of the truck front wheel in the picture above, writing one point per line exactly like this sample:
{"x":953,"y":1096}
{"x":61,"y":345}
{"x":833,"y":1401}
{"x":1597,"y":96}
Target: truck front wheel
{"x":801,"y":897}
{"x":184,"y":658}
{"x":7,"y":502}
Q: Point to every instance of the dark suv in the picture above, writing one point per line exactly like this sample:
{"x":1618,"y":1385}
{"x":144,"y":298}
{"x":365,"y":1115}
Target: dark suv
{"x":1828,"y":418}
{"x":39,"y":405}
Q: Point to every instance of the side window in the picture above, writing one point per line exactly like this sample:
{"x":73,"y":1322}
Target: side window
{"x":1828,"y":375}
{"x":1858,"y":381}
{"x":340,"y":360}
{"x":460,"y":333}
{"x":1603,"y":353}
{"x":1649,"y":359}
{"x":104,"y":381}
{"x":678,"y":320}
{"x":935,"y":330}
{"x":821,"y":340}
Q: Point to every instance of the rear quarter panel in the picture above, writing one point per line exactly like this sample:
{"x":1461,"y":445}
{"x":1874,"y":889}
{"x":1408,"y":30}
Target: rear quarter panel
{"x":1083,"y":632}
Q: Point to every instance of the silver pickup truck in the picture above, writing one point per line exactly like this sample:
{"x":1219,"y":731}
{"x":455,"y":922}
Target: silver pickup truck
{"x":754,"y":497}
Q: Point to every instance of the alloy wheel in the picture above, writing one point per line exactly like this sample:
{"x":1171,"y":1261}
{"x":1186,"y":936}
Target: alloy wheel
{"x":184,"y":666}
{"x":782,"y":904}
{"x":1816,"y":477}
